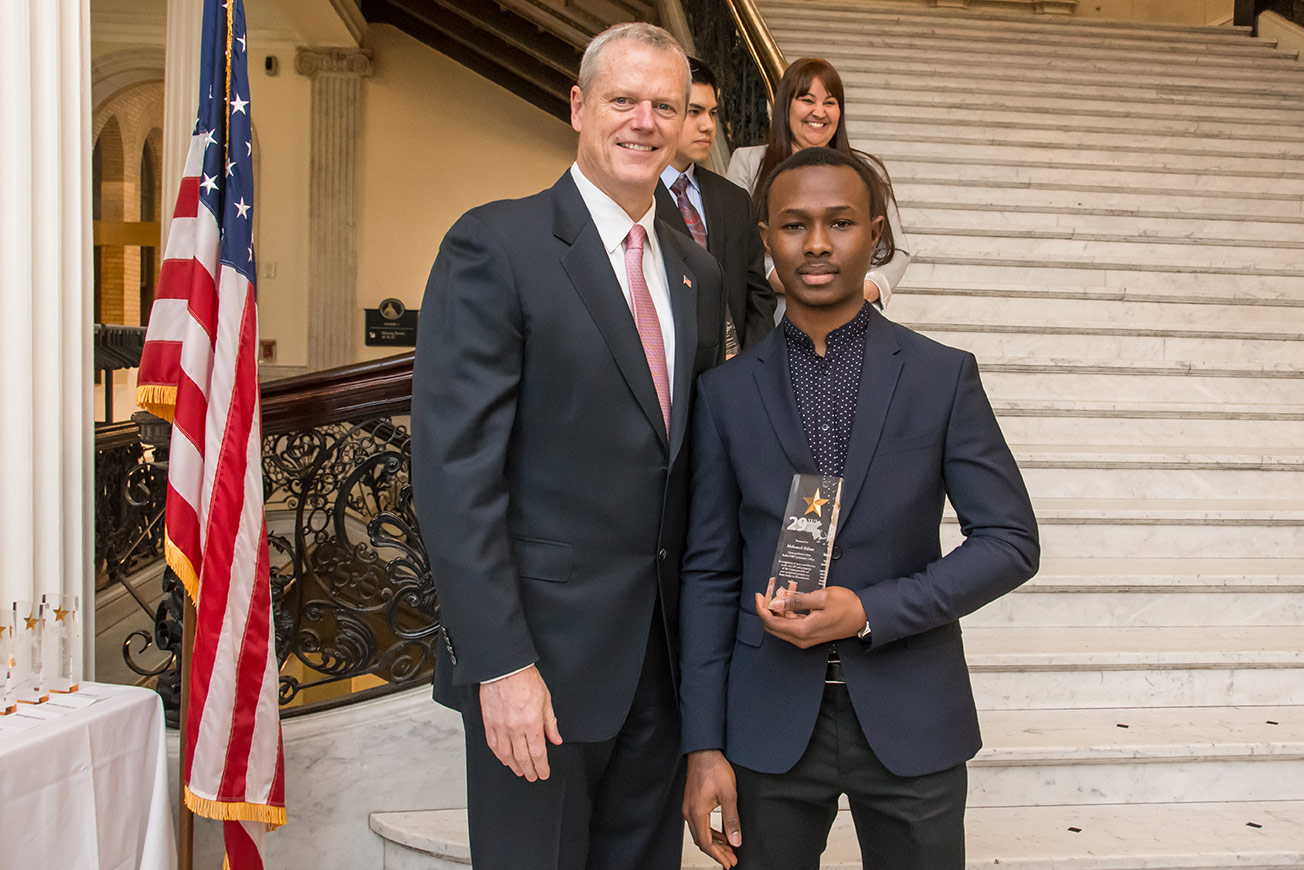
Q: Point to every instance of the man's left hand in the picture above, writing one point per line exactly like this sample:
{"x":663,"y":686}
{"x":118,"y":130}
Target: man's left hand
{"x":835,"y":612}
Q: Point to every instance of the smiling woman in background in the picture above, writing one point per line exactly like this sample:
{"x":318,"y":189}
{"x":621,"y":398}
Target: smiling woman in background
{"x":808,"y":112}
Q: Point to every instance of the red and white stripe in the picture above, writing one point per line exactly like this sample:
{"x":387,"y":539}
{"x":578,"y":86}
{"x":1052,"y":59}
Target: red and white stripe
{"x":199,"y":369}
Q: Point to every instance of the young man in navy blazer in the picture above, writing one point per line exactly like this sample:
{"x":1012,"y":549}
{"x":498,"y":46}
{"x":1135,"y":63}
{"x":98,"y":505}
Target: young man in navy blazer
{"x":721,"y":212}
{"x":860,"y":688}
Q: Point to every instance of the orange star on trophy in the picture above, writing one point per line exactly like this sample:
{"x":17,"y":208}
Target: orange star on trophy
{"x":60,"y":613}
{"x":31,"y":622}
{"x":814,"y":503}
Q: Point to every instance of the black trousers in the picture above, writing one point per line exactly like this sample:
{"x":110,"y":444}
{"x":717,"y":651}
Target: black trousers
{"x":613,"y":805}
{"x":902,"y":823}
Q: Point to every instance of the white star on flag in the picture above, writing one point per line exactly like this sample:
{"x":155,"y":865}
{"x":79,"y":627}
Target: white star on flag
{"x":209,"y":183}
{"x":238,"y":105}
{"x":241,"y":209}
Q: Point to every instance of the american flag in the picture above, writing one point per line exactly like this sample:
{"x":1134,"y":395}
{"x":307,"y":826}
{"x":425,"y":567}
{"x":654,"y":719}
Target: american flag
{"x":199,"y":370}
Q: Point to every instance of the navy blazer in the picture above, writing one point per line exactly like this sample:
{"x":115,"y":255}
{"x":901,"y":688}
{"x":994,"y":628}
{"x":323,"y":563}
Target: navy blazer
{"x":551,"y":501}
{"x":923,"y":431}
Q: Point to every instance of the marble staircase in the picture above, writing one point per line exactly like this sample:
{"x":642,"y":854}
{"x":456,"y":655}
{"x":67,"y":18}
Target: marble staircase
{"x":1111,"y":217}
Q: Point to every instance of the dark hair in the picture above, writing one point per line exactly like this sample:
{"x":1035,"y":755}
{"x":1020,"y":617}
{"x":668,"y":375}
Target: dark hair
{"x":796,"y":82}
{"x":878,"y":186}
{"x":701,"y":74}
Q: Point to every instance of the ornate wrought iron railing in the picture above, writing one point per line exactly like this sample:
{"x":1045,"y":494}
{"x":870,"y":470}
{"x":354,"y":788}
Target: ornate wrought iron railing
{"x":747,"y":79}
{"x":354,"y":608}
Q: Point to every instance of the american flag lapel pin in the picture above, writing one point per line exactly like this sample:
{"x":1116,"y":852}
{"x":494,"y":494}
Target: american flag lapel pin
{"x":688,"y":283}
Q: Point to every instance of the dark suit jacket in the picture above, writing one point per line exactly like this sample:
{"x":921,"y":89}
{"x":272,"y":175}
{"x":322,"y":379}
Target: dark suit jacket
{"x":923,"y":431}
{"x":551,"y":503}
{"x":733,"y":239}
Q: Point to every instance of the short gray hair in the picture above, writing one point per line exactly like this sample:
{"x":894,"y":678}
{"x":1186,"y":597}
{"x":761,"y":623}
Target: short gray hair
{"x":636,"y":31}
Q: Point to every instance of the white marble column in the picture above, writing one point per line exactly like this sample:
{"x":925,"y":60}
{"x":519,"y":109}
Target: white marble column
{"x":47,"y":439}
{"x":334,"y":321}
{"x":180,"y":97}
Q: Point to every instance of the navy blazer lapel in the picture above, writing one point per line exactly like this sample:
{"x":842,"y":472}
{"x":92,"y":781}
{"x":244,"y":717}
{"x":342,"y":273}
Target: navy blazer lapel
{"x":589,"y":268}
{"x":774,"y":382}
{"x":878,"y":379}
{"x":680,"y":281}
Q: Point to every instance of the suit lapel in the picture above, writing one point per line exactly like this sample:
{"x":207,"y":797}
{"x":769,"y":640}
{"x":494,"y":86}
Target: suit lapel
{"x":587,"y":265}
{"x":774,"y":382}
{"x":710,"y":208}
{"x":878,"y":380}
{"x":668,"y":210}
{"x":683,"y":303}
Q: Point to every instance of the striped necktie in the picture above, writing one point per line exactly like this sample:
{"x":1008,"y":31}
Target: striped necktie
{"x":646,"y":320}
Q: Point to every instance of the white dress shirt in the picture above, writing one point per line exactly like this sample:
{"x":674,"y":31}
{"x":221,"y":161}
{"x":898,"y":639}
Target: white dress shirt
{"x":671,"y":175}
{"x":613,"y":226}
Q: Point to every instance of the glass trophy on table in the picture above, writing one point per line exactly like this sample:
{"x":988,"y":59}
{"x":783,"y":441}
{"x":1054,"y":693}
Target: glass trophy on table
{"x":62,"y":642}
{"x":810,"y":521}
{"x":28,"y":675}
{"x":8,"y":701}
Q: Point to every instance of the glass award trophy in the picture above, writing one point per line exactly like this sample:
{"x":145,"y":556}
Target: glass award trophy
{"x":8,"y":702}
{"x":63,"y":642}
{"x":801,"y":560}
{"x":28,"y":677}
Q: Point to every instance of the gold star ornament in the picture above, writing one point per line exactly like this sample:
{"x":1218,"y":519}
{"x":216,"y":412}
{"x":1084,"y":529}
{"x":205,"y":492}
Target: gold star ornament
{"x":814,"y":503}
{"x":31,"y":622}
{"x":60,"y":613}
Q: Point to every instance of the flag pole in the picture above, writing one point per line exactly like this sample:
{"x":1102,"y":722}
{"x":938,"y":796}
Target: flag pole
{"x":185,"y":815}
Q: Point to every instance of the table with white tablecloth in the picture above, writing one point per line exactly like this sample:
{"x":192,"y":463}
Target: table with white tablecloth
{"x":84,"y":785}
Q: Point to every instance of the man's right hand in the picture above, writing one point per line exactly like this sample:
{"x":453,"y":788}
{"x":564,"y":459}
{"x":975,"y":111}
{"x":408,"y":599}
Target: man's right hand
{"x":517,"y":715}
{"x":711,"y":784}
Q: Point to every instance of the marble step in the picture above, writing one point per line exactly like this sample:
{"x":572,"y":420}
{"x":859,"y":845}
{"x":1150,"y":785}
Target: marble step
{"x":1098,"y":175}
{"x":1223,"y":302}
{"x":814,"y":22}
{"x":1084,"y":425}
{"x":1161,"y":527}
{"x":904,"y":127}
{"x":997,"y":195}
{"x":1099,"y":592}
{"x":1059,"y":245}
{"x":1214,"y":233}
{"x":1254,"y":835}
{"x":890,"y":151}
{"x":1137,"y":472}
{"x":1085,"y":101}
{"x":1139,"y":756}
{"x":994,"y":21}
{"x":1261,"y":282}
{"x":993,"y":305}
{"x":1144,"y":382}
{"x":1102,"y":342}
{"x":1153,"y":91}
{"x":1171,"y":76}
{"x":1016,"y":112}
{"x":1087,"y":667}
{"x":800,"y":38}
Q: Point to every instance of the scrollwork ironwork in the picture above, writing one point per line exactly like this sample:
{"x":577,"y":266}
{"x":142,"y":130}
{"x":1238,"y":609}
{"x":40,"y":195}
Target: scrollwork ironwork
{"x":744,"y":103}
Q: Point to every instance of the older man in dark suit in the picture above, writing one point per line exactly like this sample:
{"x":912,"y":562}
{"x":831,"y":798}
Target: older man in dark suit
{"x":717,"y":214}
{"x":559,"y":342}
{"x":859,"y":688}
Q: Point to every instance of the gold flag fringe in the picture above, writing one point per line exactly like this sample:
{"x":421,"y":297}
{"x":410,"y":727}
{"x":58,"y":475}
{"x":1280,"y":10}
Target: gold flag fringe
{"x":159,"y":400}
{"x":233,"y":811}
{"x":178,"y":562}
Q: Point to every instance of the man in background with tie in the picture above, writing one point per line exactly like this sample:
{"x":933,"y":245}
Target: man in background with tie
{"x":560,"y":339}
{"x":718,"y":215}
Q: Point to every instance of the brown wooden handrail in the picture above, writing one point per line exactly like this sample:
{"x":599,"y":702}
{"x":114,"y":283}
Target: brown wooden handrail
{"x":361,"y":391}
{"x":765,"y":52}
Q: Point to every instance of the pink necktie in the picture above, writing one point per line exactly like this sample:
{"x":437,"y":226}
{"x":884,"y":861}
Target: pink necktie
{"x":645,"y":319}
